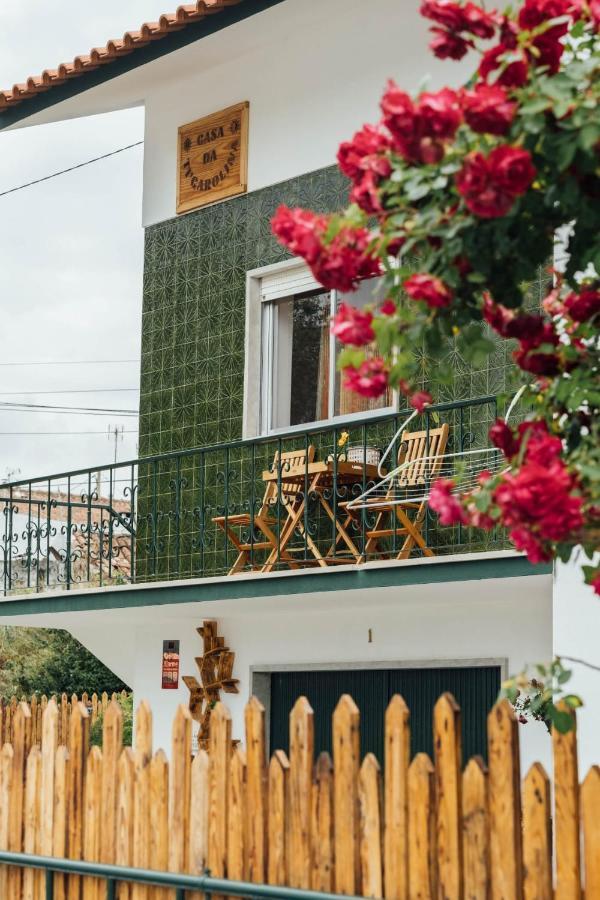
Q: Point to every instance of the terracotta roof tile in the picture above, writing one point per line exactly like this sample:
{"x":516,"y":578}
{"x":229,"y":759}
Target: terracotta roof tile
{"x":100,"y":56}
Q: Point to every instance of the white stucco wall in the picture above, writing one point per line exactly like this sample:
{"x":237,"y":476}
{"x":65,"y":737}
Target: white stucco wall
{"x":576,"y":630}
{"x":313,"y":73}
{"x":497,"y":618}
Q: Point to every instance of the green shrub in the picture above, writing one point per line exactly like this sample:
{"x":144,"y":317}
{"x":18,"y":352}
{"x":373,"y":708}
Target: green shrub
{"x":126,"y":704}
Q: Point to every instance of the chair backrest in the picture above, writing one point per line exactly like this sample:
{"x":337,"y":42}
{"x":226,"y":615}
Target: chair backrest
{"x":286,"y":461}
{"x":421,"y":453}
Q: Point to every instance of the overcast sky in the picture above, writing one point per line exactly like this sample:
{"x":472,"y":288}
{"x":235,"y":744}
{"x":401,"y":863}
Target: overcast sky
{"x":71,"y":250}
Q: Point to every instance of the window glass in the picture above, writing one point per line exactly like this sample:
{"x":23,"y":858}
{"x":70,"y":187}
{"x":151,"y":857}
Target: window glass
{"x":301,"y":370}
{"x":300,"y":383}
{"x":347,"y":402}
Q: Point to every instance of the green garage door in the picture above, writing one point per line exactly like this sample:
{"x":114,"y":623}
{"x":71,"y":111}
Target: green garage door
{"x":475,"y":688}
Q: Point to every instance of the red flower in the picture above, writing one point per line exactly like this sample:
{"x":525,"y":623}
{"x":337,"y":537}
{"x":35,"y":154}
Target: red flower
{"x":547,"y":364}
{"x":440,"y":114}
{"x":502,"y":436}
{"x":513,"y":72}
{"x":511,"y":169}
{"x":300,"y":231}
{"x":536,"y":12}
{"x":583,"y":306}
{"x":369,"y":380}
{"x":399,"y":114}
{"x":445,"y":12}
{"x":428,"y":288}
{"x":342,"y":263}
{"x":490,"y":184}
{"x":488,"y":109}
{"x":352,"y":326}
{"x":366,"y":194}
{"x":477,"y":21}
{"x":539,"y":505}
{"x":595,"y":12}
{"x":482,"y":197}
{"x":547,"y":50}
{"x":447,"y":45}
{"x":595,"y":583}
{"x":388,"y":307}
{"x":365,"y":153}
{"x":445,"y":503}
{"x":419,"y":400}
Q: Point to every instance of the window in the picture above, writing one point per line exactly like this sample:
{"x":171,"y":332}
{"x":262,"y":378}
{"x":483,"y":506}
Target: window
{"x":299,"y":380}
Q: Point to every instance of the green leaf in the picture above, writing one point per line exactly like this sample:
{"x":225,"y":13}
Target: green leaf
{"x":589,"y":136}
{"x":562,"y":721}
{"x":350,"y":358}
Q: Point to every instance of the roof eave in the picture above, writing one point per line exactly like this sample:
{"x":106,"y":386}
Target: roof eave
{"x":92,"y":78}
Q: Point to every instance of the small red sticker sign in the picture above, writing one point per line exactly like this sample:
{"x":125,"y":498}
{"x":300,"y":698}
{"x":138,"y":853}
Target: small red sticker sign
{"x":170,"y":665}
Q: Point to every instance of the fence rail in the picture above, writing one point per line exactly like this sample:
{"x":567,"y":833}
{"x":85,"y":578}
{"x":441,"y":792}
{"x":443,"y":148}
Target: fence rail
{"x":157,"y":518}
{"x":417,"y":828}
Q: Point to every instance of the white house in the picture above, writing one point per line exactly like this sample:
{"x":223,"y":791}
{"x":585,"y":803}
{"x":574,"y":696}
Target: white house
{"x":238,"y":368}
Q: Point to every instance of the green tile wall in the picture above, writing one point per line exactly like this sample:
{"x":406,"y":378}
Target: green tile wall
{"x":192,"y":378}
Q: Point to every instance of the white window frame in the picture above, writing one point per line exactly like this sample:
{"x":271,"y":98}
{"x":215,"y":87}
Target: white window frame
{"x":284,"y":279}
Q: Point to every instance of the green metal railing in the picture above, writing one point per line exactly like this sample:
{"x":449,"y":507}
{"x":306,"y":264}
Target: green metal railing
{"x":115,"y":875}
{"x":155,"y":518}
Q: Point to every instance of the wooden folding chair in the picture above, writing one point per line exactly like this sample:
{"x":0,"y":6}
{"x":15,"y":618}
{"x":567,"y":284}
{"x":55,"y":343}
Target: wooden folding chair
{"x":421,"y":453}
{"x":264,"y":521}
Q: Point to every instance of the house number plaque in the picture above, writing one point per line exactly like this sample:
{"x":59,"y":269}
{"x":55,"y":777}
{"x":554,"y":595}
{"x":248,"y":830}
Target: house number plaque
{"x":213,"y":158}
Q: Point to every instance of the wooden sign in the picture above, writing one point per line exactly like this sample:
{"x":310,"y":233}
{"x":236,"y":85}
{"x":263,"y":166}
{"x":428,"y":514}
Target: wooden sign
{"x":212,"y":158}
{"x":170,"y":666}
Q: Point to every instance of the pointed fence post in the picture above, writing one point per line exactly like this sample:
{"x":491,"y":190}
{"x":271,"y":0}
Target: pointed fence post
{"x":49,"y":739}
{"x":566,"y":812}
{"x":159,"y":818}
{"x":93,"y":823}
{"x":256,"y":774}
{"x":141,"y":812}
{"x":21,"y":723}
{"x":322,"y":825}
{"x":504,"y":780}
{"x":64,"y":719}
{"x":112,"y":745}
{"x":448,"y":781}
{"x":395,"y":836}
{"x":78,"y":748}
{"x":279,"y":771}
{"x":179,"y":801}
{"x":6,"y":774}
{"x":370,"y":840}
{"x":31,"y":877}
{"x":237,"y":821}
{"x":590,"y":807}
{"x":346,"y":762}
{"x":300,"y":788}
{"x":199,"y":813}
{"x":537,"y":835}
{"x":422,"y":868}
{"x":476,"y":832}
{"x":59,"y":840}
{"x":218,"y":778}
{"x":125,"y":815}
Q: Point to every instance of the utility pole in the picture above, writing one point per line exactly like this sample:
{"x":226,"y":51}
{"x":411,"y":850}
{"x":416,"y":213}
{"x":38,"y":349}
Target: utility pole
{"x":116,"y":433}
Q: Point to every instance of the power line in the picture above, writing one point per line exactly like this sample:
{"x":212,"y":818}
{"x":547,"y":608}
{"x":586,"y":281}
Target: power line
{"x":63,"y":433}
{"x":94,"y":410}
{"x":71,"y":362}
{"x":88,"y":162}
{"x":70,"y":391}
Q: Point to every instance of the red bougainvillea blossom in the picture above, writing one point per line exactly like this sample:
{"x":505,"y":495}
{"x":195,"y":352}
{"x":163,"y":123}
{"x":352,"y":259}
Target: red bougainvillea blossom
{"x":419,"y":400}
{"x":453,"y":22}
{"x":370,"y":379}
{"x":431,"y":290}
{"x":583,"y":306}
{"x":353,"y":326}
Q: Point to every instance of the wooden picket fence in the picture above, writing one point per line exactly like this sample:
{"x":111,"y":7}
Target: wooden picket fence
{"x":96,"y":705}
{"x":416,"y":829}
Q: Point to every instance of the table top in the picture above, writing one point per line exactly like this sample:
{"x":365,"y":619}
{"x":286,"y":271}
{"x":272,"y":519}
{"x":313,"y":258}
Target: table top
{"x":344,"y":471}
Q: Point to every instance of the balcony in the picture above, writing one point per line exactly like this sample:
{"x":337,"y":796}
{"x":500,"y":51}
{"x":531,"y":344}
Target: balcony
{"x":312,"y":498}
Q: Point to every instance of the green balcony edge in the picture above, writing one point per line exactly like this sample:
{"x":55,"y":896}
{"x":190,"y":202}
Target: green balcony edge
{"x":248,"y":588}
